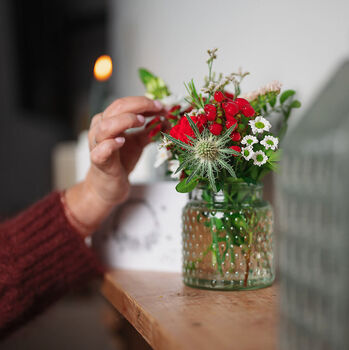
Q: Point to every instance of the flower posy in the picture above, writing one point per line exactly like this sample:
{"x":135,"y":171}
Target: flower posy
{"x":219,"y":135}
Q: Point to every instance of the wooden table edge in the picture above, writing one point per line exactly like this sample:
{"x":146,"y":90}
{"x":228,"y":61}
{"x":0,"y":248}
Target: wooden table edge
{"x":134,"y":312}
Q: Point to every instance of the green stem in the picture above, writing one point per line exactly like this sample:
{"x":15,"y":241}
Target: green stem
{"x":215,"y":248}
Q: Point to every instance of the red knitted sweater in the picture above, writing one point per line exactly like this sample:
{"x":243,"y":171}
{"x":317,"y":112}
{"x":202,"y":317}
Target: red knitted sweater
{"x":41,"y":257}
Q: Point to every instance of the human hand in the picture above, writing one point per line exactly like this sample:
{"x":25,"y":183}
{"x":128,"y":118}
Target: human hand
{"x":113,"y":154}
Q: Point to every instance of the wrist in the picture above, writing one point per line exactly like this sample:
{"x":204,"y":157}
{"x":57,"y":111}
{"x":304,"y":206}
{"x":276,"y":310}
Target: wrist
{"x":84,"y":209}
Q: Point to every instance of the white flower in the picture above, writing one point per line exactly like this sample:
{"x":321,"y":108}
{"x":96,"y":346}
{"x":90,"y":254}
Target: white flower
{"x":249,"y":140}
{"x":259,"y":125}
{"x":165,"y":143}
{"x":259,"y":158}
{"x":162,"y":155}
{"x":247,"y":152}
{"x":172,"y":167}
{"x":270,"y":142}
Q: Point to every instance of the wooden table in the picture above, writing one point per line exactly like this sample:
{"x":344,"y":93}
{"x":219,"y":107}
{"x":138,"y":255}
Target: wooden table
{"x":172,"y":316}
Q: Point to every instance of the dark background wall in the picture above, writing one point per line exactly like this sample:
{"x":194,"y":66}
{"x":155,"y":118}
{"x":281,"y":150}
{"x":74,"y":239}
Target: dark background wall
{"x":47,"y":51}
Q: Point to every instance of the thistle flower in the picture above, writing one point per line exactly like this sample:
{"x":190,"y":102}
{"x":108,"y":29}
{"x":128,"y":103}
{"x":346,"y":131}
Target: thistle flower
{"x":259,"y":158}
{"x":247,"y":152}
{"x":249,"y":140}
{"x":259,"y":125}
{"x":206,"y":154}
{"x":270,"y":142}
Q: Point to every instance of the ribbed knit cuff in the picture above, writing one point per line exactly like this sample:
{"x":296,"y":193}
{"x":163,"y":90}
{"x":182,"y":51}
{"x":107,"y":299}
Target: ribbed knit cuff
{"x":41,"y":257}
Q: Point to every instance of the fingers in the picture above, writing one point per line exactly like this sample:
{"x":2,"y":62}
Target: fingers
{"x":133,"y":104}
{"x":103,"y":153}
{"x":109,"y":128}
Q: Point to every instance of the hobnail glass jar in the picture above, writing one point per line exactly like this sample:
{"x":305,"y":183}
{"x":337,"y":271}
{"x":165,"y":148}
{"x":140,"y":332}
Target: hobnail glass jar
{"x":228,"y":238}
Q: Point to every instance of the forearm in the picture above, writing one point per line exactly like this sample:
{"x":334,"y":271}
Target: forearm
{"x":41,"y":257}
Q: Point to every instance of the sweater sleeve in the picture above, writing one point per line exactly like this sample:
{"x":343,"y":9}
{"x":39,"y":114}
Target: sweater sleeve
{"x":41,"y":257}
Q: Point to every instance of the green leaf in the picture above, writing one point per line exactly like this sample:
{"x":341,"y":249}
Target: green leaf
{"x":275,"y":156}
{"x":217,"y":222}
{"x":272,"y":100}
{"x":184,"y":187}
{"x":295,"y":104}
{"x":285,"y":95}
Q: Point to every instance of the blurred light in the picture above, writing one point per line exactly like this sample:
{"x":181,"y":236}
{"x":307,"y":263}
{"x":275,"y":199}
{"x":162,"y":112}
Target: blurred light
{"x":103,"y":68}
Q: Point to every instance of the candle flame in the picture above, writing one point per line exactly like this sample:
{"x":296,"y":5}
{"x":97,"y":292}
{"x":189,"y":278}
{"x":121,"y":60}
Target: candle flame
{"x":103,"y":68}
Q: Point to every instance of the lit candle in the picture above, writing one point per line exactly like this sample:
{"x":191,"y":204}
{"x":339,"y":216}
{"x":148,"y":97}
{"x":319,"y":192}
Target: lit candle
{"x":102,"y":71}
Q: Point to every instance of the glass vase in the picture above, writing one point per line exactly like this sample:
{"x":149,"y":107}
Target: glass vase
{"x":228,"y":238}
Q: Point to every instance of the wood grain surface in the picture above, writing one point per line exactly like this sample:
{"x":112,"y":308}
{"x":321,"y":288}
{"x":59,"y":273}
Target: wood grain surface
{"x":172,"y":316}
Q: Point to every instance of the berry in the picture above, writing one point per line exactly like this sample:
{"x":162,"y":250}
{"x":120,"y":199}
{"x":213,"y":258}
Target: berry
{"x":229,"y":95}
{"x":248,"y":111}
{"x":216,"y":129}
{"x":230,"y":109}
{"x":241,"y":102}
{"x":174,"y":109}
{"x":202,"y":120}
{"x":154,"y":121}
{"x":235,"y":148}
{"x":219,"y":96}
{"x":230,"y":122}
{"x":235,"y":136}
{"x":154,"y":132}
{"x":210,"y":112}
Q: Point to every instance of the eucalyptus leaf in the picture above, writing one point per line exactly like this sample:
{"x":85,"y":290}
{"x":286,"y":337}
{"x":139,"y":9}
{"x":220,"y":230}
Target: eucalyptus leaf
{"x":285,"y":95}
{"x":295,"y":104}
{"x":184,"y":187}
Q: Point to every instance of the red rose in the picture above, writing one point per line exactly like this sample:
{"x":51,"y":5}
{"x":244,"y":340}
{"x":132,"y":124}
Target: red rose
{"x":183,"y":129}
{"x":230,"y":109}
{"x":248,"y":111}
{"x":174,"y":132}
{"x":235,"y":148}
{"x":241,"y":102}
{"x":219,"y":96}
{"x":235,"y":136}
{"x":216,"y":129}
{"x":230,"y":122}
{"x":210,"y":112}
